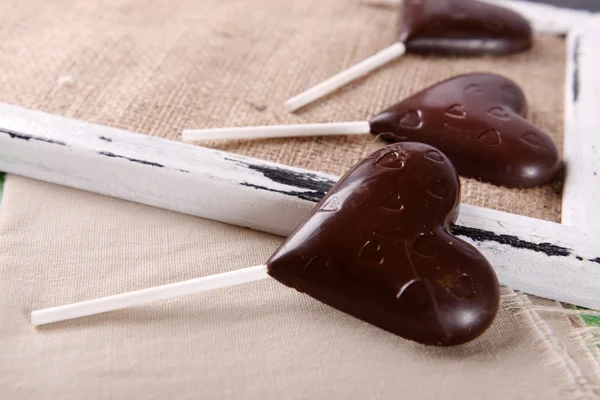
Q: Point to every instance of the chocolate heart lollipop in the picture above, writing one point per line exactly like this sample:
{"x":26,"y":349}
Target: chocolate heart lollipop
{"x":462,"y":27}
{"x":477,"y":120}
{"x":379,"y":247}
{"x":445,"y":27}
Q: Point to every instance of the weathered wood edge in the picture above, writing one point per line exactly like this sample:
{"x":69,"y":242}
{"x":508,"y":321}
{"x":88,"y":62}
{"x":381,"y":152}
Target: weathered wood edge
{"x":544,"y":18}
{"x":535,"y":256}
{"x":581,"y":193}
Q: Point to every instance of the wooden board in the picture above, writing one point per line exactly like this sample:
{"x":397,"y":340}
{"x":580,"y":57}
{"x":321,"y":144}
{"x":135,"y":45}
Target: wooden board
{"x":534,"y":256}
{"x":581,"y":194}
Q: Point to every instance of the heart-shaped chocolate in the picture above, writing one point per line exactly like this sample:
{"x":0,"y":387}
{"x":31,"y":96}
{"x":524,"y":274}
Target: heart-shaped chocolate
{"x":378,"y":246}
{"x":477,"y":120}
{"x":462,"y":27}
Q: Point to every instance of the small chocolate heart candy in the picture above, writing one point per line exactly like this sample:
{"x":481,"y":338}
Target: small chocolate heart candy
{"x":378,"y":246}
{"x":462,"y":27}
{"x":477,"y":120}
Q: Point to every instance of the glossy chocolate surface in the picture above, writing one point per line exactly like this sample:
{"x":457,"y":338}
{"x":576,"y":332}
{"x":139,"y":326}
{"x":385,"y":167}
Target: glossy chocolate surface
{"x":378,"y":247}
{"x":477,"y":120}
{"x":462,"y":27}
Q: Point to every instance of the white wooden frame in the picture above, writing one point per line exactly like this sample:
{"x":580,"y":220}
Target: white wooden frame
{"x":560,"y":262}
{"x":581,"y":194}
{"x":534,"y":256}
{"x":544,"y":18}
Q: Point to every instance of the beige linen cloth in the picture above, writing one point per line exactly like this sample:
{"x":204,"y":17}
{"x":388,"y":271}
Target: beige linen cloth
{"x":159,"y":66}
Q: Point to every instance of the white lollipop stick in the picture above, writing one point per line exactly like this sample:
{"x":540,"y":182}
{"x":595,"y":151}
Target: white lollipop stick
{"x":337,"y":81}
{"x":139,"y":297}
{"x":262,"y":132}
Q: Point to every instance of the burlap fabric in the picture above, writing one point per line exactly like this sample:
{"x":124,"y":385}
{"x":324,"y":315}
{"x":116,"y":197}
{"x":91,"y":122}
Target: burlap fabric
{"x":157,"y":67}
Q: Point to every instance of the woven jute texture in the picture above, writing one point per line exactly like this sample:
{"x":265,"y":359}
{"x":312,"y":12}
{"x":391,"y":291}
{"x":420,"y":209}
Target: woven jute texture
{"x":157,"y":67}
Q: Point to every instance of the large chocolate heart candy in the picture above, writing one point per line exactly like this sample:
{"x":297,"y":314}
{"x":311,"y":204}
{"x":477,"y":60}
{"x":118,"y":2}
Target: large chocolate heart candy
{"x":378,"y":247}
{"x":462,"y":27}
{"x":477,"y":120}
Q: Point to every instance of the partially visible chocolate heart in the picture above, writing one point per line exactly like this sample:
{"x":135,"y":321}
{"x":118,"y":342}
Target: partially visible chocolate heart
{"x":477,"y":120}
{"x":462,"y":27}
{"x":378,"y":246}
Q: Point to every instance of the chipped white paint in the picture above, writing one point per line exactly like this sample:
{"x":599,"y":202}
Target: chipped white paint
{"x":566,"y":279}
{"x":213,"y":187}
{"x":581,"y":195}
{"x":270,"y":197}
